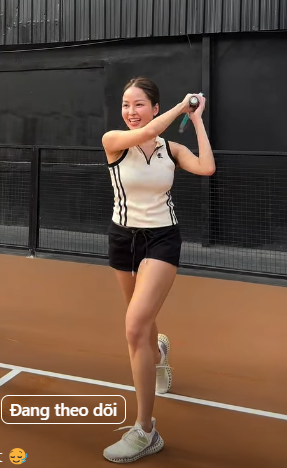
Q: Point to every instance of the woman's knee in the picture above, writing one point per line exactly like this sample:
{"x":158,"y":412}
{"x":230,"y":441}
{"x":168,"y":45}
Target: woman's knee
{"x":138,"y":331}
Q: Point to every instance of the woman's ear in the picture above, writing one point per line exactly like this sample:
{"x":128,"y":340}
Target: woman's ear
{"x":155,"y":110}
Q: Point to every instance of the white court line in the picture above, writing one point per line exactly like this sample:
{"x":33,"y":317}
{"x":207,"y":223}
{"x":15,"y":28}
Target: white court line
{"x":9,"y":376}
{"x":171,"y":396}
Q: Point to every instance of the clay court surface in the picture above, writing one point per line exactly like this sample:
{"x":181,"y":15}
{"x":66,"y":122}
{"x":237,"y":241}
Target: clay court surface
{"x":62,"y":331}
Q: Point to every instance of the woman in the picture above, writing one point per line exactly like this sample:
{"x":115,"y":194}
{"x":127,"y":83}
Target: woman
{"x":145,"y":242}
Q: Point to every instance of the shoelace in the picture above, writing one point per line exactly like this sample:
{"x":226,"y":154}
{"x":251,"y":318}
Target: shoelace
{"x":137,"y":429}
{"x":130,"y":436}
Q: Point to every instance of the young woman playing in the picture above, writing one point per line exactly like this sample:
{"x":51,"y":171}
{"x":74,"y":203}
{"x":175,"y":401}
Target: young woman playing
{"x":145,"y":242}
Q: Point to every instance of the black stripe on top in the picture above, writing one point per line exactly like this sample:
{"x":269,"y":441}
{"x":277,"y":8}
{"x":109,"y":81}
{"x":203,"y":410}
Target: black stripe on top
{"x":170,"y":153}
{"x":171,"y":210}
{"x":119,"y":160}
{"x":123,"y":211}
{"x":119,"y":193}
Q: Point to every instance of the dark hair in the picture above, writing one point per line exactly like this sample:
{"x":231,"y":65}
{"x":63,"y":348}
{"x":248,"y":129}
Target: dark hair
{"x":148,"y":86}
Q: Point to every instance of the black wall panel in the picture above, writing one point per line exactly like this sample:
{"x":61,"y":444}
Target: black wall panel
{"x":52,"y":107}
{"x":249,"y":98}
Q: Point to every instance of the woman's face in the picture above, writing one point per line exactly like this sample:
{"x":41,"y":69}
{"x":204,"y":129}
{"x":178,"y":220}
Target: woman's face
{"x":137,"y":109}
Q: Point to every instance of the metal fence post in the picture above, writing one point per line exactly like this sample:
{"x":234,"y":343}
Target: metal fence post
{"x":34,"y":201}
{"x":205,"y":180}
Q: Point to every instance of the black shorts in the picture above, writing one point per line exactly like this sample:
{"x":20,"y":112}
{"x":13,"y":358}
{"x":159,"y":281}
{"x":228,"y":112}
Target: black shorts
{"x":129,"y":246}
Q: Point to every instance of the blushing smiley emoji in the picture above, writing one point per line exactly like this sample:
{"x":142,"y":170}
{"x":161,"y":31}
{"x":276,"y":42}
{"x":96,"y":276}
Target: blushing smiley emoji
{"x":17,"y":456}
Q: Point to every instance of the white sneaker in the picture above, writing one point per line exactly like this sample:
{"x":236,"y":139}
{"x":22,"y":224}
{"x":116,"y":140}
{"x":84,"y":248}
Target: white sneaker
{"x":134,"y":444}
{"x":163,"y":371}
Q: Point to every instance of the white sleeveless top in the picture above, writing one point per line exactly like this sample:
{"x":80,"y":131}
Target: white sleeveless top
{"x":142,"y":197}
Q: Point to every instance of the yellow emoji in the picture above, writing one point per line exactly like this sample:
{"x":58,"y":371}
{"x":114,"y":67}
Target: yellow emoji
{"x":17,"y":456}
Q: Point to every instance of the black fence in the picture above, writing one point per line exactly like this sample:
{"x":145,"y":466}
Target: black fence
{"x":60,"y":200}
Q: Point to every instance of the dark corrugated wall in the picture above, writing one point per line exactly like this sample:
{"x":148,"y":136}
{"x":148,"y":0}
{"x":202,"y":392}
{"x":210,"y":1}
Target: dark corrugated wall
{"x":50,"y":21}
